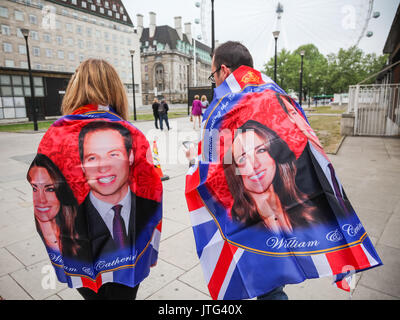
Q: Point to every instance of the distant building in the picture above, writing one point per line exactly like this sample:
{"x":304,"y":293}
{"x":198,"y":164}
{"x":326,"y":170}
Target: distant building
{"x":63,"y":33}
{"x":392,"y":48}
{"x":168,"y":61}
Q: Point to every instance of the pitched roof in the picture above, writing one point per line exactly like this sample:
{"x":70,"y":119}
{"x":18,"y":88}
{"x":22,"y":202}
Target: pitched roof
{"x":168,"y":35}
{"x":113,"y":10}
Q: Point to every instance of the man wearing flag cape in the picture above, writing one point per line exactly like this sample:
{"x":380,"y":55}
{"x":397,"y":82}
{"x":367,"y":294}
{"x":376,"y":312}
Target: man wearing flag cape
{"x":265,"y":204}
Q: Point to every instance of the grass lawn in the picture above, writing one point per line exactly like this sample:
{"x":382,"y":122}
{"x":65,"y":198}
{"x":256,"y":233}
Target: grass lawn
{"x":28,"y":126}
{"x":326,"y":109}
{"x":171,"y":115}
{"x":327,"y":129}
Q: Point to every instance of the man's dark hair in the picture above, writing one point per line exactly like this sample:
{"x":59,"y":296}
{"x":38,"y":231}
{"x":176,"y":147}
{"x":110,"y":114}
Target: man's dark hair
{"x":105,"y":125}
{"x":232,"y":54}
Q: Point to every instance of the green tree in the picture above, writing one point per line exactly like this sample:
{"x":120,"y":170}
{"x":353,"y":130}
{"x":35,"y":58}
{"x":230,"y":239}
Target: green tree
{"x":288,"y":70}
{"x":351,"y":66}
{"x":329,"y":74}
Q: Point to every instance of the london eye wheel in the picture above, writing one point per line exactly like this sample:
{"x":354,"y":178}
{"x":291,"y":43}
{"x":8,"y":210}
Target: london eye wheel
{"x":328,"y":24}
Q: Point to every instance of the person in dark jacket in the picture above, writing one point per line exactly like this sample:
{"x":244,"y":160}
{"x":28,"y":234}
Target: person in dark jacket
{"x":155,"y":106}
{"x":163,"y":113}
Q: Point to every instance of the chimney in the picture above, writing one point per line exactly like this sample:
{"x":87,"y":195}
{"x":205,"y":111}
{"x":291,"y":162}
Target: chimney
{"x":188,"y":31}
{"x":152,"y":25}
{"x":139,"y":19}
{"x":178,"y":26}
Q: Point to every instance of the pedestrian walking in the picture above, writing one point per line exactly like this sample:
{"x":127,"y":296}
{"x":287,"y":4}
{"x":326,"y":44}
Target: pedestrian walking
{"x":163,"y":114}
{"x":87,"y":179}
{"x":204,"y":102}
{"x":196,"y":111}
{"x":155,"y":107}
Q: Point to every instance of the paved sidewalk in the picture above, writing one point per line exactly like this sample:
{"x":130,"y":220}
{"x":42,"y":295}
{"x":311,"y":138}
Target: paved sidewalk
{"x":369,"y":169}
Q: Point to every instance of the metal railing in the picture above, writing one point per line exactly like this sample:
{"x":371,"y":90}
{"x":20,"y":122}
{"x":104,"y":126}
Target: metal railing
{"x":376,"y":108}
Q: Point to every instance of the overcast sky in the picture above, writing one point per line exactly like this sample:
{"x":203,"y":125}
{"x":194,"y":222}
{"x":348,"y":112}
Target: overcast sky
{"x":329,"y":24}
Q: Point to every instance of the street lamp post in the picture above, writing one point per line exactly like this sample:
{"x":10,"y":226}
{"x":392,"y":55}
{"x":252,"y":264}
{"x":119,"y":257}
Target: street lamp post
{"x":212,"y":38}
{"x":301,"y":76}
{"x":188,"y":84}
{"x":133,"y":87}
{"x":309,"y":89}
{"x":25,"y":33}
{"x":276,"y":35}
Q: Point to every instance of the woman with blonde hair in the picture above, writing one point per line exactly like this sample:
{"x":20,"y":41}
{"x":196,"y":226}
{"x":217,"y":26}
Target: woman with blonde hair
{"x":204,"y":101}
{"x":97,"y":83}
{"x":104,"y":226}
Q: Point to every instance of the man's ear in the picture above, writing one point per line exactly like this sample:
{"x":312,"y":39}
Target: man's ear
{"x":225,"y":71}
{"x":131,"y":158}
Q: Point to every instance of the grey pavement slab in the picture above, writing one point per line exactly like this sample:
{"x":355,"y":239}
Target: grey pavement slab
{"x":368,"y":167}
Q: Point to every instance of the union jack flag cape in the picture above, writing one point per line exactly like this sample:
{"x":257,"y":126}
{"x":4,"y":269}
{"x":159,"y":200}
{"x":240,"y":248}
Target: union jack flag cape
{"x":85,"y":163}
{"x":284,"y":220}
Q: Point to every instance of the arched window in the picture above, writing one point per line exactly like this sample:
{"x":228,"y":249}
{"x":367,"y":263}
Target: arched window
{"x":159,"y":77}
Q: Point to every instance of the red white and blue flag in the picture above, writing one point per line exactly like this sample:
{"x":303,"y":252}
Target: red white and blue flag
{"x":266,"y":206}
{"x":97,"y":199}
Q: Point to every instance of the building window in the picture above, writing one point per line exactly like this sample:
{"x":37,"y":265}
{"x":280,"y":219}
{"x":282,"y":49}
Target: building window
{"x":159,"y":77}
{"x":49,"y":53}
{"x":3,"y":12}
{"x":7,"y":47}
{"x":71,"y":56}
{"x":60,"y":54}
{"x":19,"y":15}
{"x":19,"y":33}
{"x":21,"y":49}
{"x":36,"y":51}
{"x":13,"y":90}
{"x":33,"y":19}
{"x":59,"y":40}
{"x":9,"y":63}
{"x":34,"y":35}
{"x":5,"y":30}
{"x":47,"y":37}
{"x":68,"y":27}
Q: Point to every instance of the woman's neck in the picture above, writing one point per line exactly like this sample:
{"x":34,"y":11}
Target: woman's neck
{"x":51,"y":233}
{"x":271,"y":212}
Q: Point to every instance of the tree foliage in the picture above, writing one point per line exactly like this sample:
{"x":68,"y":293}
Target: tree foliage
{"x":329,"y":74}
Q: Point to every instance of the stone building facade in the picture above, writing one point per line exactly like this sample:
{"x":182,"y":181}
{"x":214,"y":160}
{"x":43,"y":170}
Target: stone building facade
{"x":168,"y":62}
{"x":63,"y":33}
